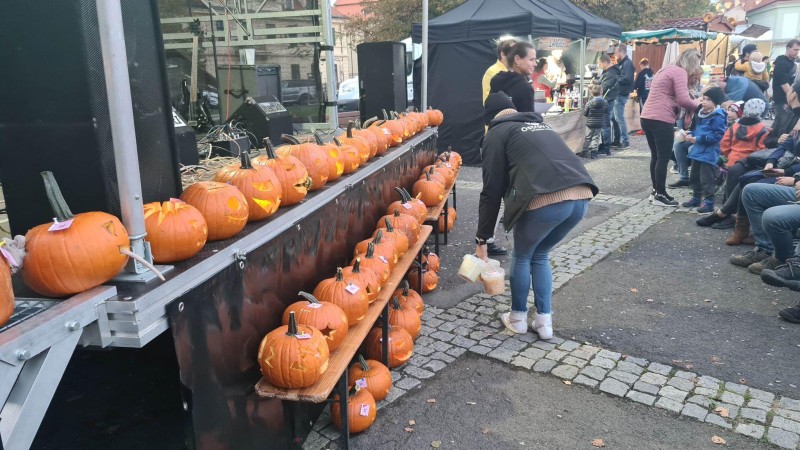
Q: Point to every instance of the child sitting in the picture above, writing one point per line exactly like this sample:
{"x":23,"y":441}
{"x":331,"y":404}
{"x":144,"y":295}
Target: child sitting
{"x":705,"y":150}
{"x":747,"y":135}
{"x":755,"y":69}
{"x":596,"y":112}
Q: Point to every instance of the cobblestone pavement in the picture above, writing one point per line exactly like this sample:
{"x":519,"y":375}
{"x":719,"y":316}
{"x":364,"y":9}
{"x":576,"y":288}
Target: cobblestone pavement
{"x":473,"y":326}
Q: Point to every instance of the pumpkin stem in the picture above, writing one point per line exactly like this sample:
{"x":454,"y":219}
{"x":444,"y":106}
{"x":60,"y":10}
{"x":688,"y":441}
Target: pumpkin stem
{"x":363,"y":362}
{"x":57,"y":202}
{"x":389,"y":226}
{"x":143,"y":261}
{"x":309,"y":297}
{"x":369,"y":122}
{"x":405,"y":287}
{"x":337,"y":141}
{"x":426,"y":251}
{"x":378,"y":236}
{"x":245,"y":158}
{"x":339,"y":274}
{"x":381,"y":122}
{"x":292,"y":331}
{"x":357,"y":266}
{"x":270,"y":150}
{"x":428,"y":175}
{"x":385,"y":114}
{"x":396,"y":212}
{"x":396,"y":303}
{"x":370,"y":250}
{"x":318,"y":138}
{"x":350,"y":126}
{"x":288,"y":138}
{"x":403,"y":194}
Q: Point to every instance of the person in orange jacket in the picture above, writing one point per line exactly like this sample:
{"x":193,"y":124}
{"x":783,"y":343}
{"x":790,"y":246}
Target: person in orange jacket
{"x":747,"y":135}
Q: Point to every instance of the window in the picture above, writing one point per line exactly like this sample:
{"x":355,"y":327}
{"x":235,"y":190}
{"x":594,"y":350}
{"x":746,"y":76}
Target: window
{"x":295,"y":71}
{"x":288,"y":5}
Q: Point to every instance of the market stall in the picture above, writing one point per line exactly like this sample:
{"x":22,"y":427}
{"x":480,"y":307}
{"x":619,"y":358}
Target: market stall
{"x":462,"y":45}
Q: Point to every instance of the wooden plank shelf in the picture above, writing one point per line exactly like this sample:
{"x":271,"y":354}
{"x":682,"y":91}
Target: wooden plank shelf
{"x":340,"y":359}
{"x":435,"y":211}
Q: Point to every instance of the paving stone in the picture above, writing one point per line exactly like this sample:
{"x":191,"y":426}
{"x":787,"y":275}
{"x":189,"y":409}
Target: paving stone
{"x":514,"y":344}
{"x":479,"y":349}
{"x":681,"y":383}
{"x":614,"y":387}
{"x":441,"y":346}
{"x":556,"y":340}
{"x":730,"y":397}
{"x":483,"y":319}
{"x":424,"y":341}
{"x":705,"y":402}
{"x":782,"y":438}
{"x":478,"y":335}
{"x":603,"y":362}
{"x":685,"y":375}
{"x":586,"y":381}
{"x":432,"y":322}
{"x":544,"y":345}
{"x":315,"y":441}
{"x":673,"y":393}
{"x":598,"y":373}
{"x":407,"y":383}
{"x":625,"y":377}
{"x":718,"y":421}
{"x":660,"y":369}
{"x":447,"y":326}
{"x":443,"y":357}
{"x":455,"y":352}
{"x":614,"y":356}
{"x":569,"y":346}
{"x":443,"y":336}
{"x":556,"y":355}
{"x":764,"y":396}
{"x":708,"y":382}
{"x":627,"y":366}
{"x":534,"y":353}
{"x":654,"y":378}
{"x":788,"y":403}
{"x":565,"y":371}
{"x":584,"y":352}
{"x":434,"y":365}
{"x":521,"y":361}
{"x":419,"y":361}
{"x":502,"y":354}
{"x":646,"y":387}
{"x":589,"y":349}
{"x":638,"y":361}
{"x":544,"y":365}
{"x":785,"y":424}
{"x":426,"y":330}
{"x":733,"y":410}
{"x":491,"y":343}
{"x":641,"y":397}
{"x":669,"y":404}
{"x":530,"y":338}
{"x":417,"y":372}
{"x":787,"y":413}
{"x":758,"y":404}
{"x":694,"y":410}
{"x":448,"y":317}
{"x":462,"y":331}
{"x":330,"y":432}
{"x":423,"y":350}
{"x":463,"y":342}
{"x":736,"y":388}
{"x":749,"y":429}
{"x":705,"y":391}
{"x":394,"y":393}
{"x":758,"y":415}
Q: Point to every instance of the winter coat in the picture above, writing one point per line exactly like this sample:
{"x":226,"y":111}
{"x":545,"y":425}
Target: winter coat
{"x":523,"y":157}
{"x":709,"y":132}
{"x":756,"y":71}
{"x":596,"y":112}
{"x":642,"y":84}
{"x":516,"y":86}
{"x":609,"y":81}
{"x":626,"y":76}
{"x":782,"y":125}
{"x":785,"y":156}
{"x":742,"y":138}
{"x":741,"y":89}
{"x":668,"y":93}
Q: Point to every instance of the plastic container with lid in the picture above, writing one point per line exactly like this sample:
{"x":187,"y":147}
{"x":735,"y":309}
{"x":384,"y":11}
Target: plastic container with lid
{"x":494,"y":282}
{"x":471,"y":268}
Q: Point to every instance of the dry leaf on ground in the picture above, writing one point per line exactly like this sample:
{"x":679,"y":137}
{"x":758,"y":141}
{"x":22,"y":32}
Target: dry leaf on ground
{"x":634,"y":290}
{"x":598,"y":442}
{"x":412,"y":422}
{"x":485,"y":430}
{"x":431,"y":400}
{"x":567,"y":382}
{"x":715,"y":360}
{"x":436,"y":444}
{"x":723,"y":412}
{"x":718,"y":440}
{"x":409,"y":429}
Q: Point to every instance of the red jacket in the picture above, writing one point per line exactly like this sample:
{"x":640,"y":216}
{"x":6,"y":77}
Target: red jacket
{"x":742,"y":138}
{"x":536,"y":85}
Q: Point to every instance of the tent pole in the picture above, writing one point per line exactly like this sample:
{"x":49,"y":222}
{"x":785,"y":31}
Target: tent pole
{"x":424,"y":95}
{"x":582,"y":71}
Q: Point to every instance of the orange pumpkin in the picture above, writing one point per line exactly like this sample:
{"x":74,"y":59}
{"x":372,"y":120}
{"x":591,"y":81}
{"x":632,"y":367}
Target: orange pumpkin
{"x":222,"y":205}
{"x":6,"y":292}
{"x":360,"y":143}
{"x":335,"y":157}
{"x":376,"y":376}
{"x":448,"y":173}
{"x":405,"y":223}
{"x":367,"y":277}
{"x":430,"y":191}
{"x":408,"y":205}
{"x":291,"y":173}
{"x":409,"y":296}
{"x":350,"y":295}
{"x":383,"y":248}
{"x":71,"y":260}
{"x":175,"y":230}
{"x":397,"y":238}
{"x":432,"y":259}
{"x":400,"y":346}
{"x":405,"y":316}
{"x":453,"y":158}
{"x":350,"y":156}
{"x":361,"y":410}
{"x":378,"y":264}
{"x":451,"y":219}
{"x":293,"y":356}
{"x":435,"y":117}
{"x":395,"y":129}
{"x":429,"y":278}
{"x":380,"y":136}
{"x":328,"y":318}
{"x":259,"y":185}
{"x":434,"y":175}
{"x":353,"y":131}
{"x":312,"y":156}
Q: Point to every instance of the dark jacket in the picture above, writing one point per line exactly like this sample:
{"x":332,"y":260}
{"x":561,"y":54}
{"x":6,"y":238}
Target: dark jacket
{"x":786,"y":155}
{"x":523,"y":157}
{"x":709,"y":132}
{"x":609,"y":80}
{"x":642,"y":83}
{"x":517,"y":87}
{"x":596,"y":111}
{"x":782,"y":125}
{"x":626,"y":74}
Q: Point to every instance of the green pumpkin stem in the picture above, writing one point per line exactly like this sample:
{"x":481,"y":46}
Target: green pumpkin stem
{"x":396,"y":303}
{"x":318,"y":138}
{"x":288,"y":138}
{"x":363,"y":362}
{"x":405,"y":287}
{"x":404,"y":195}
{"x":292,"y":330}
{"x":385,"y":115}
{"x":396,"y":212}
{"x":309,"y":297}
{"x":270,"y":149}
{"x":246,"y":162}
{"x":56,"y":199}
{"x":370,"y":250}
{"x":350,"y":126}
{"x":428,"y":175}
{"x":339,"y":274}
{"x":337,"y":141}
{"x":369,"y":122}
{"x":357,"y":266}
{"x":389,"y":226}
{"x":378,"y":237}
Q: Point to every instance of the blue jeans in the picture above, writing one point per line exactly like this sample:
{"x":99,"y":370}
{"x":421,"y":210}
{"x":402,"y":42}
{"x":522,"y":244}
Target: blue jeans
{"x":605,"y":147}
{"x":619,"y":116}
{"x":757,"y":199}
{"x":535,"y":234}
{"x":681,"y":151}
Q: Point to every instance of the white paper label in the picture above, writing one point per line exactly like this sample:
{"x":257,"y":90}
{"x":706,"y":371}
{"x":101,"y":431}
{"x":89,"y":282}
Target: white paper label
{"x":303,"y":336}
{"x":383,"y":258}
{"x":352,"y":288}
{"x":364,"y":409}
{"x":385,"y":131}
{"x":407,"y":205}
{"x":448,"y":165}
{"x":8,"y":257}
{"x":175,"y":200}
{"x":361,"y":383}
{"x":315,"y":305}
{"x":58,"y":226}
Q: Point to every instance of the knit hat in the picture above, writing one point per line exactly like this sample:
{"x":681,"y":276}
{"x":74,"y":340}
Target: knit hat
{"x":715,"y":94}
{"x":496,"y":102}
{"x":754,"y":107}
{"x":749,"y":48}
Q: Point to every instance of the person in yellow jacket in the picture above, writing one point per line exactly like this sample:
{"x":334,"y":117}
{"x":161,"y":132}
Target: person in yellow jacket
{"x":498,"y":66}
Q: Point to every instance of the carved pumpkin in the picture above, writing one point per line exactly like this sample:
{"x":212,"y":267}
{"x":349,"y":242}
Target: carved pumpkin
{"x":77,"y":258}
{"x":429,"y":278}
{"x":374,"y":373}
{"x":404,"y":316}
{"x":335,"y":157}
{"x":328,"y":318}
{"x":350,"y":156}
{"x":401,"y":346}
{"x":452,"y":157}
{"x":291,"y":361}
{"x":258,"y":184}
{"x":397,"y":238}
{"x":431,"y":258}
{"x":448,"y":173}
{"x":381,"y":137}
{"x":311,"y":155}
{"x":291,"y":173}
{"x":222,"y":205}
{"x":378,"y":264}
{"x":357,"y":402}
{"x":435,"y":117}
{"x":430,"y":191}
{"x":409,"y":296}
{"x":367,"y":277}
{"x":408,"y":205}
{"x":402,"y":222}
{"x":350,"y":295}
{"x":370,"y":138}
{"x":395,"y":129}
{"x":434,"y":175}
{"x":451,"y":219}
{"x":383,"y":248}
{"x":175,"y":230}
{"x":6,"y":292}
{"x":360,"y":143}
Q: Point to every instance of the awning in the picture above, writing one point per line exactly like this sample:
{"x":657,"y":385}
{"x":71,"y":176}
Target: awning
{"x":666,"y":35}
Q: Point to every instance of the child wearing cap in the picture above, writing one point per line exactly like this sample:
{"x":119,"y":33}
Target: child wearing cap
{"x":747,"y":135}
{"x":705,"y":150}
{"x":755,"y":69}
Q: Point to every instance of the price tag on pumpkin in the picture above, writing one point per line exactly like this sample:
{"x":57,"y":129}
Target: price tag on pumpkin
{"x":448,"y":165}
{"x":58,"y":226}
{"x":361,"y":383}
{"x":315,"y":305}
{"x":8,"y":256}
{"x":364,"y":410}
{"x":385,"y":131}
{"x":407,"y":205}
{"x":383,"y":258}
{"x":303,"y":336}
{"x":175,"y":200}
{"x":352,"y":288}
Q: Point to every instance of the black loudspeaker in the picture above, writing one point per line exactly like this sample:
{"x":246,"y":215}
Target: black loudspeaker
{"x":260,"y":120}
{"x":186,"y":140}
{"x":238,"y":82}
{"x":382,"y":78}
{"x":54,"y":109}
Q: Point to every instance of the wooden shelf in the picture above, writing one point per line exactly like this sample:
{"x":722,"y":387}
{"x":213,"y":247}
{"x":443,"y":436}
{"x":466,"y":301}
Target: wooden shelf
{"x":340,"y":359}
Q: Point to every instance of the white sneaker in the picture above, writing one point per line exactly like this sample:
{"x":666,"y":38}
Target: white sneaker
{"x":543,"y":326}
{"x":515,"y":321}
{"x":673,"y":169}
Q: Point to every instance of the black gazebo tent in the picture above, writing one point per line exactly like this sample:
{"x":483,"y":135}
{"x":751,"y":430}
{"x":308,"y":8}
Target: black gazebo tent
{"x":462,"y":45}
